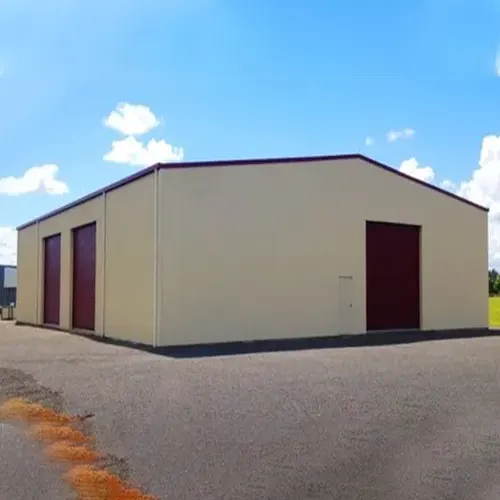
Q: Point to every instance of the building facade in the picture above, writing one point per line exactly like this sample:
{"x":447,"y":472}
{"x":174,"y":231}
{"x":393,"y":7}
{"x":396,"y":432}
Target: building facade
{"x":209,"y":252}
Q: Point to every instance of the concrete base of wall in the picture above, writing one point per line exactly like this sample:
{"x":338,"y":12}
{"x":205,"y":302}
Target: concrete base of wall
{"x":83,"y":333}
{"x":260,"y":346}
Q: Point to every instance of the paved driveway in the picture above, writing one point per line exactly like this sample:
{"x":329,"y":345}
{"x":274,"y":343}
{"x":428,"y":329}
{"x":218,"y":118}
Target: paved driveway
{"x":416,"y":421}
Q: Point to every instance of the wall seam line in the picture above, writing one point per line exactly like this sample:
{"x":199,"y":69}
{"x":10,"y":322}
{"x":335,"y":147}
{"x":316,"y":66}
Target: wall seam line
{"x":38,"y":284}
{"x":155,"y":258}
{"x":103,"y":277}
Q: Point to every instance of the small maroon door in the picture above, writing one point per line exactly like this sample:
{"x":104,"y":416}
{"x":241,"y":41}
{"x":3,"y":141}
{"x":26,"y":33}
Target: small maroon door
{"x":84,"y":259}
{"x":51,"y":279}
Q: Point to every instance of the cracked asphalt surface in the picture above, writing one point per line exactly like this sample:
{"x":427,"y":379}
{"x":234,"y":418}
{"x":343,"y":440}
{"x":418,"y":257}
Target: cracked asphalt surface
{"x":414,"y":421}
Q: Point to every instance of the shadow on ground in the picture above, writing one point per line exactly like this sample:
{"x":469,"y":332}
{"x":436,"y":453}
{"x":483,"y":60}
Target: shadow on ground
{"x":334,"y":342}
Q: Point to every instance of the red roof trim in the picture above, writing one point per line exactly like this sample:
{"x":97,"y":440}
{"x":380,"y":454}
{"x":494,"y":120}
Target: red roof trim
{"x":228,"y":163}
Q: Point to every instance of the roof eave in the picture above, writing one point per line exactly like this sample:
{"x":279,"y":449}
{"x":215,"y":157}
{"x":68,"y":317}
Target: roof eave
{"x":241,"y":162}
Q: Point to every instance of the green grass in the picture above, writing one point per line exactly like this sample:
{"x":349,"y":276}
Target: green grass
{"x":495,"y":312}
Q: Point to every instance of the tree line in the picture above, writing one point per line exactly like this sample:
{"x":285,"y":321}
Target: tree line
{"x":494,"y":282}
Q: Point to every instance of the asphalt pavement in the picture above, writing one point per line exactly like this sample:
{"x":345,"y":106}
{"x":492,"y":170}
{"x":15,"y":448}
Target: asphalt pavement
{"x":24,"y":471}
{"x":415,"y":421}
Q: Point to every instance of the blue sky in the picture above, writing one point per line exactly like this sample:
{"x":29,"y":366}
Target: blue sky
{"x":235,"y":79}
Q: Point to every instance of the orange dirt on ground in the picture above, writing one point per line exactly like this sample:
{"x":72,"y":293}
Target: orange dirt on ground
{"x":71,"y":447}
{"x":20,"y":409}
{"x":94,"y":484}
{"x":50,"y":432}
{"x":66,"y":452}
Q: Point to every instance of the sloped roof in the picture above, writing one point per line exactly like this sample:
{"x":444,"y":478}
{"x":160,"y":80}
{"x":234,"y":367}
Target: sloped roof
{"x":249,"y":162}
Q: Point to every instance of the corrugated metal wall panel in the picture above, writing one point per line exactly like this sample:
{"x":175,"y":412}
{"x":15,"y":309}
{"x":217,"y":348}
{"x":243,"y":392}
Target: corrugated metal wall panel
{"x":392,"y":276}
{"x":2,"y":286}
{"x":9,"y":296}
{"x":8,"y":285}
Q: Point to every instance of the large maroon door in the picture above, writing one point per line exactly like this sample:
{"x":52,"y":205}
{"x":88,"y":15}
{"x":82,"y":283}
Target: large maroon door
{"x":51,"y":279}
{"x":392,"y":276}
{"x":84,"y":257}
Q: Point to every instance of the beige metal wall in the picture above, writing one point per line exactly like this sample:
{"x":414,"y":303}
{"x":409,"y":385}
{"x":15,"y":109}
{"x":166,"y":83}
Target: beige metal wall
{"x":27,"y":272}
{"x":30,"y":263}
{"x":253,"y":252}
{"x":256,"y":252}
{"x":129,"y":285}
{"x":124,"y":246}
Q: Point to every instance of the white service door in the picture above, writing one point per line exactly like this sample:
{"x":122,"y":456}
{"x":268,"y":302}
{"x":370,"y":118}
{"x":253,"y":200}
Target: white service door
{"x":345,"y":304}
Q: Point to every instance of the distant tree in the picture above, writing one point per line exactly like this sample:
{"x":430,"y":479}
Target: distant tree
{"x":493,"y":282}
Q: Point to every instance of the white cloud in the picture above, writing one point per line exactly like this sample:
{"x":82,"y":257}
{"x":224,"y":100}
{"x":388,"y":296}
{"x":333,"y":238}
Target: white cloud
{"x":369,"y":141}
{"x":8,"y":246}
{"x":133,"y":152}
{"x":497,"y":63}
{"x":412,"y":168}
{"x":41,"y":178}
{"x":131,"y":119}
{"x":484,"y":188}
{"x":395,"y":135}
{"x":448,"y":185}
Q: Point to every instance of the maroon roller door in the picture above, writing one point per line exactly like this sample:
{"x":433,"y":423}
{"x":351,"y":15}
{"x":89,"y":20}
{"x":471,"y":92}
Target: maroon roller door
{"x":392,"y":276}
{"x":51,"y":279}
{"x":84,"y":258}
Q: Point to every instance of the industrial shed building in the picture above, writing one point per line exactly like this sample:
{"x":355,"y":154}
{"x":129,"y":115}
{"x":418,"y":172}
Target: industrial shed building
{"x":208,"y":252}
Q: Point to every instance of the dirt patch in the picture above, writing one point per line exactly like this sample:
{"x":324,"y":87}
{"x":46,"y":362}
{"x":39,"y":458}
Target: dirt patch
{"x":70,"y":453}
{"x":49,"y":432}
{"x":68,"y":438}
{"x":23,"y":410}
{"x":18,"y":384}
{"x":92,"y":484}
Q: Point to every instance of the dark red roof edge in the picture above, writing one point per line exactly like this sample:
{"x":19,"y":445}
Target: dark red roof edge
{"x":227,"y":163}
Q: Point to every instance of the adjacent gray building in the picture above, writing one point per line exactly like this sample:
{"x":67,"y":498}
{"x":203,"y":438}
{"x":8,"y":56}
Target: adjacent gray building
{"x":8,"y":285}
